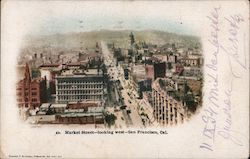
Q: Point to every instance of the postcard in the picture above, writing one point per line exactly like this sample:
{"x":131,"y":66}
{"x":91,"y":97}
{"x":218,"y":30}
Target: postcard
{"x":125,"y":79}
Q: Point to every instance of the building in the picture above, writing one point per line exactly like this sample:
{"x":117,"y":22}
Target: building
{"x":192,"y":61}
{"x":91,"y":115}
{"x":156,"y":70}
{"x":49,"y":71}
{"x":159,"y":70}
{"x":178,"y":69}
{"x":58,"y":108}
{"x":139,"y":80}
{"x":31,"y":93}
{"x":45,"y":107}
{"x":192,"y":72}
{"x":150,"y":71}
{"x":84,"y":105}
{"x":80,"y":85}
{"x":90,"y":112}
{"x":171,"y":101}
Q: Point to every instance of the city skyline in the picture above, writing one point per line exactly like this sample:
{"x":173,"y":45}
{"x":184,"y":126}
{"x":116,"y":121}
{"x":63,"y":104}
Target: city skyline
{"x":142,"y":84}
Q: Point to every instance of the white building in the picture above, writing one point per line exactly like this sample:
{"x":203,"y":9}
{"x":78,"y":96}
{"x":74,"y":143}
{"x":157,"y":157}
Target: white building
{"x":76,"y":86}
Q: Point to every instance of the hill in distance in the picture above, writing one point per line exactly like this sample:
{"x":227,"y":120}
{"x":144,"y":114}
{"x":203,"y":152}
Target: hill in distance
{"x":119,"y":37}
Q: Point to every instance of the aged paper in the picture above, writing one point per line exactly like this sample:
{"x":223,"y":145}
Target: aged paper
{"x":125,"y":79}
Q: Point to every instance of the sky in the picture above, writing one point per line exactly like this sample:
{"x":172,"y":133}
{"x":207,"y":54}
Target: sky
{"x":53,"y":17}
{"x":73,"y":24}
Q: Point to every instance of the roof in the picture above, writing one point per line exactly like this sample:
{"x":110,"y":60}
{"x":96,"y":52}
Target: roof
{"x":58,"y":105}
{"x":74,"y":111}
{"x":95,"y":109}
{"x":44,"y":118}
{"x":50,"y":65}
{"x":81,"y":73}
{"x":90,"y":110}
{"x":80,"y":114}
{"x":45,"y":105}
{"x":82,"y":105}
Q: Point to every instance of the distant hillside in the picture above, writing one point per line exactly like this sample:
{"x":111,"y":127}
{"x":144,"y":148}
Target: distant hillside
{"x":120,"y":38}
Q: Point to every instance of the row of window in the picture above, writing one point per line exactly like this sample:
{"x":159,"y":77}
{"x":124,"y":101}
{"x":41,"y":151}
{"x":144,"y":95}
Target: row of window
{"x":80,"y":92}
{"x":162,"y":119}
{"x":32,"y":100}
{"x":79,"y":82}
{"x":26,"y":93}
{"x":82,"y":97}
{"x":160,"y":104}
{"x":97,"y":86}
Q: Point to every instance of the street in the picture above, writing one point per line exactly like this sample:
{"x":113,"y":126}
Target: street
{"x":116,"y":73}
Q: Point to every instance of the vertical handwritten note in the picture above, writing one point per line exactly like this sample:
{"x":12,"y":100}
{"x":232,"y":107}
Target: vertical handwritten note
{"x":225,"y":66}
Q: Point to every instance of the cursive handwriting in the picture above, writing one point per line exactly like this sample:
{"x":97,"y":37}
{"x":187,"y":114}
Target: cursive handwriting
{"x":226,"y":132}
{"x":217,"y":118}
{"x":232,"y":50}
{"x":234,"y":59}
{"x":210,"y":113}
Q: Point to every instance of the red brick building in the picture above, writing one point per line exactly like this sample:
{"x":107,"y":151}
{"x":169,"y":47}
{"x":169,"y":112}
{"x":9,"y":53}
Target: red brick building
{"x":150,"y":71}
{"x":156,"y":70}
{"x":31,"y":92}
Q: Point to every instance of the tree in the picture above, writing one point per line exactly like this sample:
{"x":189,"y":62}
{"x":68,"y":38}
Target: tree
{"x":110,"y":119}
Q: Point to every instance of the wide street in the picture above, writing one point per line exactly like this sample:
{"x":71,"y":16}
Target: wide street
{"x":116,"y":73}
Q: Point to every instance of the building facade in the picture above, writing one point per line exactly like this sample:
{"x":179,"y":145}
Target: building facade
{"x":31,"y":92}
{"x":168,"y":108}
{"x":89,"y":85}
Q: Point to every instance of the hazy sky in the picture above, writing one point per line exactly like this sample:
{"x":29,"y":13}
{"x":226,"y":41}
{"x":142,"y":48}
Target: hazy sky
{"x":87,"y":23}
{"x":52,"y":17}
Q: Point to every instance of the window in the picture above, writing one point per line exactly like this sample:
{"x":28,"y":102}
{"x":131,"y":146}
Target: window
{"x":33,"y":99}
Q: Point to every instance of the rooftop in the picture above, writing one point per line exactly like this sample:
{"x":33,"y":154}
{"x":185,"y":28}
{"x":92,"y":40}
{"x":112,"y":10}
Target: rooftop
{"x":81,"y":72}
{"x":45,"y":105}
{"x":80,"y":114}
{"x":58,"y":105}
{"x":43,"y":118}
{"x":139,"y":72}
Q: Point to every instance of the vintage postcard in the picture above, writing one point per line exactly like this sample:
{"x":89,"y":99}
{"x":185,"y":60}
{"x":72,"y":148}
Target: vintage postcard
{"x":124,"y":79}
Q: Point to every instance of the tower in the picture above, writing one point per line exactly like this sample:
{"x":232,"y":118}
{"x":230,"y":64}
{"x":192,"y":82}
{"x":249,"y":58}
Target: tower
{"x":26,"y":86}
{"x":132,"y":38}
{"x":27,"y":73}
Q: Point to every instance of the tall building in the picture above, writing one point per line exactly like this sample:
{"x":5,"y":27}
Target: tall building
{"x":159,"y":70}
{"x":31,"y":92}
{"x":80,"y":85}
{"x":171,"y":101}
{"x":139,"y":81}
{"x":49,"y":71}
